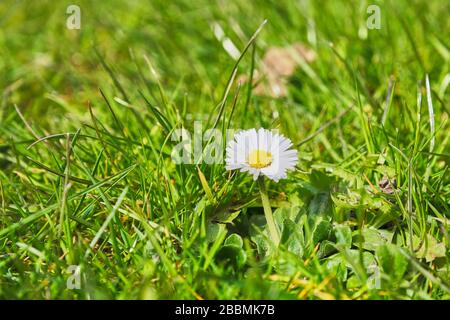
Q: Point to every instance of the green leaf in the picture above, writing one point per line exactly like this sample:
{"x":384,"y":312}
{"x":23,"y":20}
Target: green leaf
{"x":353,"y":282}
{"x":292,"y":237}
{"x":385,"y":170}
{"x":226,"y":216}
{"x":336,"y":265}
{"x":259,"y":234}
{"x":353,"y":257}
{"x":321,"y":181}
{"x":429,"y":249}
{"x":234,"y":240}
{"x":343,"y":235}
{"x":326,"y":248}
{"x":372,"y":238}
{"x":289,"y":222}
{"x":213,"y":230}
{"x":292,"y":213}
{"x":321,"y":205}
{"x":347,"y":200}
{"x":391,"y":260}
{"x":321,"y":230}
{"x":205,"y":186}
{"x":336,"y":171}
{"x":288,"y":264}
{"x":232,"y":252}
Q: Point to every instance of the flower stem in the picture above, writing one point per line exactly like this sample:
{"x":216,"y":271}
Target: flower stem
{"x":274,"y":234}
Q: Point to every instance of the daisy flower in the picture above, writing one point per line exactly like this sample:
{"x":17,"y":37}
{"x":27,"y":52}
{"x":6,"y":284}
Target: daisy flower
{"x":261,"y":153}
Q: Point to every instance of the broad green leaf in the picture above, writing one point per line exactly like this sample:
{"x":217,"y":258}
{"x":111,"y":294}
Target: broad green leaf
{"x":213,"y":230}
{"x":352,"y":257}
{"x":321,"y":205}
{"x":232,"y":252}
{"x":336,"y":264}
{"x":372,"y":238}
{"x":321,"y":230}
{"x":392,"y":261}
{"x":234,"y":240}
{"x":259,"y":234}
{"x":326,"y":248}
{"x":348,"y":200}
{"x":292,"y":237}
{"x":429,"y":249}
{"x":353,"y":282}
{"x":289,"y":223}
{"x":321,"y":181}
{"x":343,"y":235}
{"x":292,"y":213}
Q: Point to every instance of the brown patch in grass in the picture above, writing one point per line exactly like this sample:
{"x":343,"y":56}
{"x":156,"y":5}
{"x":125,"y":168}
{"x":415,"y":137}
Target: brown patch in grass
{"x":278,"y":64}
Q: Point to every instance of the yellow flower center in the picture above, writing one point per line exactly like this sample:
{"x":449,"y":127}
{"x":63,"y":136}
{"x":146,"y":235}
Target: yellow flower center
{"x":259,"y":159}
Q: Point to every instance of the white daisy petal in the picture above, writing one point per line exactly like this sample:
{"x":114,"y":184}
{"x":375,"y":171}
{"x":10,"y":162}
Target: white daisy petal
{"x":259,"y":152}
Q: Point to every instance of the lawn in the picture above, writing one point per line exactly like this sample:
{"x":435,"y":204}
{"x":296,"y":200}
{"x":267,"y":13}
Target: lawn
{"x":109,"y":114}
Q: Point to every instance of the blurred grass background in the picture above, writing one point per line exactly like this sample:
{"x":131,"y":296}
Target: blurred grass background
{"x":47,"y":58}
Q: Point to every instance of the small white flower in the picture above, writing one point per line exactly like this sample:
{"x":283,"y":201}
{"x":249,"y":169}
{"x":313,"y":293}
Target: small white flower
{"x":261,"y":153}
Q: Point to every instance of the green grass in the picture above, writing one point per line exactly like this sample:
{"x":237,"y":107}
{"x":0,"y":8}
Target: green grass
{"x":87,"y":179}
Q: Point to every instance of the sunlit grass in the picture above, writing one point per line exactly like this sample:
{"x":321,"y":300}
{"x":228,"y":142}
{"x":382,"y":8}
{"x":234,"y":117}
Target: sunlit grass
{"x":87,"y":177}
